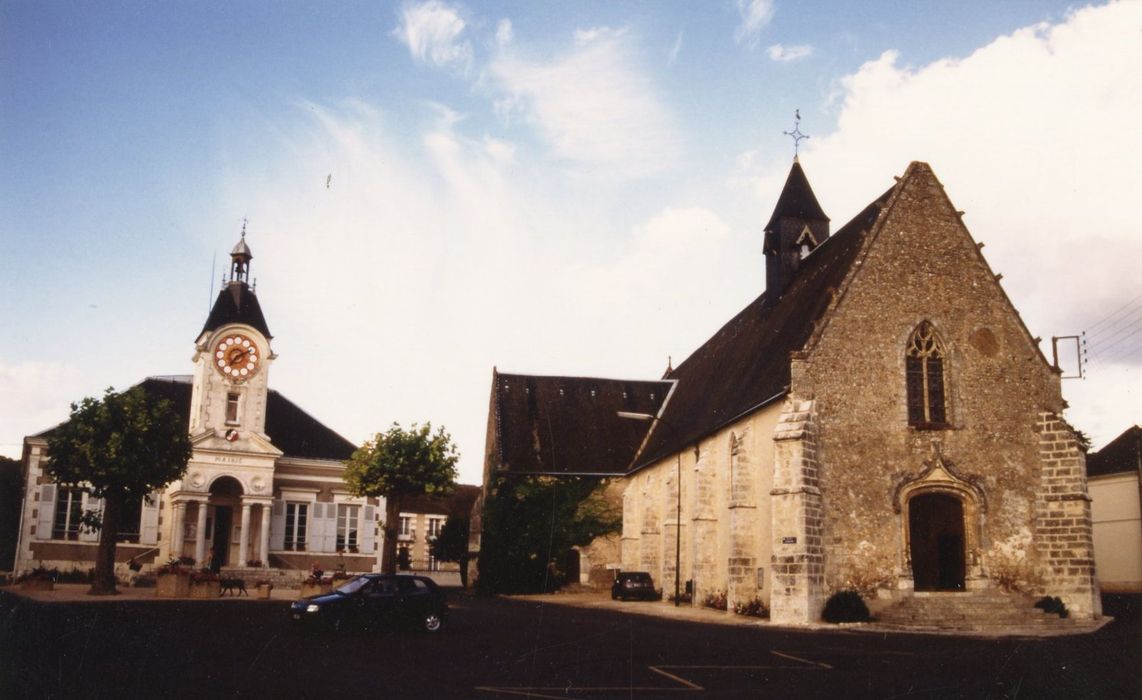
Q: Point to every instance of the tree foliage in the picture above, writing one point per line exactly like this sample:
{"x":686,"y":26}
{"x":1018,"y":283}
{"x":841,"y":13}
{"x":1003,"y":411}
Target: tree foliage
{"x":11,"y":477}
{"x":398,"y":464}
{"x":452,"y":542}
{"x":532,"y":523}
{"x":120,"y":448}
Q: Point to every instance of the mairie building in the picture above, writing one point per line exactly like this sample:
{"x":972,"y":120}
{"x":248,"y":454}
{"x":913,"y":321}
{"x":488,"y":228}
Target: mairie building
{"x":263,"y":491}
{"x":879,"y":419}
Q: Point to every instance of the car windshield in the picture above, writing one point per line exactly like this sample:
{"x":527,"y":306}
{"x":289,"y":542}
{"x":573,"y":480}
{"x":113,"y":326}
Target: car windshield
{"x":352,"y":585}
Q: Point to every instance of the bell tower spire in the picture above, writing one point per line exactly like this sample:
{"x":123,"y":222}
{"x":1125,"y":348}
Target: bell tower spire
{"x":240,"y":259}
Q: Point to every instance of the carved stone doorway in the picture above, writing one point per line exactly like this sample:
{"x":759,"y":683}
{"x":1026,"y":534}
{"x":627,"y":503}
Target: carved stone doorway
{"x":936,"y":538}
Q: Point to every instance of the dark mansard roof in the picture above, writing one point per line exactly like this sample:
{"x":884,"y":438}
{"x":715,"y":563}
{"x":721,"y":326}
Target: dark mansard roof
{"x":290,"y":429}
{"x":236,"y":303}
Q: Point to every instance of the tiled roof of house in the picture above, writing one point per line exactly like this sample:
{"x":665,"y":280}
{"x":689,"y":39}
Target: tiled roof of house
{"x":570,"y":425}
{"x":1122,"y":454}
{"x":290,"y":429}
{"x":236,"y":303}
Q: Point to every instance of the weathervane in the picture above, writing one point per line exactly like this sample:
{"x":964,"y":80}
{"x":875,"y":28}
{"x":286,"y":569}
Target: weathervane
{"x":796,"y":134}
{"x":244,"y":223}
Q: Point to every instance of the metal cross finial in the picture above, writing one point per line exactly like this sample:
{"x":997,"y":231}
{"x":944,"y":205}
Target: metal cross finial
{"x":796,"y":134}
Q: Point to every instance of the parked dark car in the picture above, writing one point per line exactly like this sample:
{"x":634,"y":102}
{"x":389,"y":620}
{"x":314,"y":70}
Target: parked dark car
{"x":376,"y":600}
{"x":634,"y":584}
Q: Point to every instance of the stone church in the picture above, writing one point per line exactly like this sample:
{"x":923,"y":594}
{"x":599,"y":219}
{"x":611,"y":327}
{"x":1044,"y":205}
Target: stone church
{"x":879,"y":419}
{"x":263,"y":491}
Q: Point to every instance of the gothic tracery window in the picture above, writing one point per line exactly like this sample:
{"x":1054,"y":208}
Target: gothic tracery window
{"x":924,"y":370}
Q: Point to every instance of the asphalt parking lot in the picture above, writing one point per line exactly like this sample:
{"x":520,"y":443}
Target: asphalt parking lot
{"x":536,"y":648}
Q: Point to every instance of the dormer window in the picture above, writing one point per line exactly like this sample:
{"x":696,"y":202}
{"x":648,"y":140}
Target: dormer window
{"x":924,"y":374}
{"x":806,"y":242}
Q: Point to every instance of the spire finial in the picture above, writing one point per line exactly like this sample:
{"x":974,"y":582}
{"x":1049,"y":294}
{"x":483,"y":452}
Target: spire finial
{"x":244,"y":219}
{"x":796,"y":134}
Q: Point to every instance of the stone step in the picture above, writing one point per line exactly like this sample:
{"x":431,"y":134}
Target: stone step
{"x":977,"y":610}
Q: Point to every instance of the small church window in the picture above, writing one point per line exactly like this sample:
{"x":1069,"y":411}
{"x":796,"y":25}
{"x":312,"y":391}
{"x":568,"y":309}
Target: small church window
{"x":924,"y":369}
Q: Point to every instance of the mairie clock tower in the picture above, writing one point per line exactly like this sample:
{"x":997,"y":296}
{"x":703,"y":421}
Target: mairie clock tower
{"x":232,"y":361}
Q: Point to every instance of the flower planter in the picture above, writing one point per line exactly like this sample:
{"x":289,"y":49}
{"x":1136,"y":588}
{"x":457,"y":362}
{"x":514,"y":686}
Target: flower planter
{"x":38,"y":584}
{"x":310,"y":589}
{"x":264,"y":590}
{"x":172,"y":586}
{"x":205,"y":589}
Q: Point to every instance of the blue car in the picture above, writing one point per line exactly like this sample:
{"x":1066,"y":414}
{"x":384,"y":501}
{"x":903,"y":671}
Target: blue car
{"x":373,"y":601}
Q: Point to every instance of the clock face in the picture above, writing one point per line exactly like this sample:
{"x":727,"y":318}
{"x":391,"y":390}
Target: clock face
{"x":236,"y":357}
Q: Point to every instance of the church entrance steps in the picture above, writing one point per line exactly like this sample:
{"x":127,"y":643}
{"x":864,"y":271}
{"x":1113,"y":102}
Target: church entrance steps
{"x":969,"y":611}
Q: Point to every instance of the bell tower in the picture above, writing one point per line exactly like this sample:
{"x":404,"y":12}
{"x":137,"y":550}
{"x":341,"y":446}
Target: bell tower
{"x":232,"y":361}
{"x":798,"y":225}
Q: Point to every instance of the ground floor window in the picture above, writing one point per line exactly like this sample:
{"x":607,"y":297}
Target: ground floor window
{"x":69,"y":510}
{"x":347,"y":518}
{"x":296,"y":522}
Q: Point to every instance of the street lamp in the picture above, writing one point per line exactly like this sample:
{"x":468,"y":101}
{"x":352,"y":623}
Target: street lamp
{"x":678,"y":509}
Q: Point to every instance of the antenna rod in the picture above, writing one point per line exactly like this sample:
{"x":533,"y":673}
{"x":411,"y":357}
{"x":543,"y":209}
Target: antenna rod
{"x":210,"y":299}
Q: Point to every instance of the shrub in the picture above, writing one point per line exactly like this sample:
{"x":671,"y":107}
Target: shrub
{"x":715,"y":600}
{"x":754,"y":608}
{"x":845,"y":606}
{"x":1053,"y":604}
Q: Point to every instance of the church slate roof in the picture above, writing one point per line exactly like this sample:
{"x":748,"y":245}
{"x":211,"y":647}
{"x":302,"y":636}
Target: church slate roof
{"x":746,"y":364}
{"x":236,"y":303}
{"x":1121,"y":455}
{"x":290,"y":429}
{"x":570,"y":425}
{"x":556,"y":425}
{"x":797,"y":200}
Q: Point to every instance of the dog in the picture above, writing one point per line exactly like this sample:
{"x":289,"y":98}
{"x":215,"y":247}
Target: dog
{"x":235,"y":586}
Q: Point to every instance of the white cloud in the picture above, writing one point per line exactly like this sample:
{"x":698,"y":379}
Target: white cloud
{"x":1035,"y":135}
{"x":755,"y":16}
{"x":504,"y":32}
{"x":593,"y":106}
{"x":36,"y":397}
{"x":785,"y":54}
{"x":432,"y":30}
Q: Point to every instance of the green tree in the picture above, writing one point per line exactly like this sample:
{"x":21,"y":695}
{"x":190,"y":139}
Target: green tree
{"x":11,"y":478}
{"x":120,"y":448}
{"x":532,"y":523}
{"x":397,"y":464}
{"x":452,"y":544}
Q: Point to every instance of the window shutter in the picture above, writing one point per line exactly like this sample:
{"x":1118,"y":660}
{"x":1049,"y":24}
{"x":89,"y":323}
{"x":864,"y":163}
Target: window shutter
{"x":46,"y":513}
{"x":366,"y":531}
{"x":277,"y":525}
{"x":96,"y":505}
{"x":329,"y":534}
{"x":149,"y":520}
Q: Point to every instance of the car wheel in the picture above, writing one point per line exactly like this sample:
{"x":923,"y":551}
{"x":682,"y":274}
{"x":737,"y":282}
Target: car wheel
{"x":433,"y":622}
{"x":614,"y":596}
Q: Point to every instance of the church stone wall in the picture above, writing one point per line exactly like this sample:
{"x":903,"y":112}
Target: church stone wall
{"x":923,"y":266}
{"x":725,"y":525}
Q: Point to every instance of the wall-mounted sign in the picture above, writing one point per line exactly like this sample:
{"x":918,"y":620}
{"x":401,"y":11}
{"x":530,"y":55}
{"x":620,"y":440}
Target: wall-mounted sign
{"x":788,"y":540}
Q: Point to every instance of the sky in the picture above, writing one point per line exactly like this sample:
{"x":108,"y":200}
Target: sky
{"x":433,"y":189}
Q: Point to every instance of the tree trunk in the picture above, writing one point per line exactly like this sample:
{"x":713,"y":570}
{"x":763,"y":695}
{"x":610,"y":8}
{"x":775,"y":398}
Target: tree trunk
{"x":103,"y":582}
{"x":392,"y":530}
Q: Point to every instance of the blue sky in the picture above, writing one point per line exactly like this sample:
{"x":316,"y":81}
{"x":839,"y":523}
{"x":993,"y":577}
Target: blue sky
{"x":548,"y":187}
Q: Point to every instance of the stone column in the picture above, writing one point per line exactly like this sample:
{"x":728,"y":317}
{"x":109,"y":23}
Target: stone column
{"x":178,"y":527}
{"x":264,"y":545}
{"x":200,"y":537}
{"x":244,"y":542}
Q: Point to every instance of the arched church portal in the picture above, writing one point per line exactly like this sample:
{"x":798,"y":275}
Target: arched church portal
{"x":937,"y":545}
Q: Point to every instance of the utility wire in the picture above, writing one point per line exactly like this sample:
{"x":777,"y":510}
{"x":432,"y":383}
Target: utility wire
{"x":1107,"y":317}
